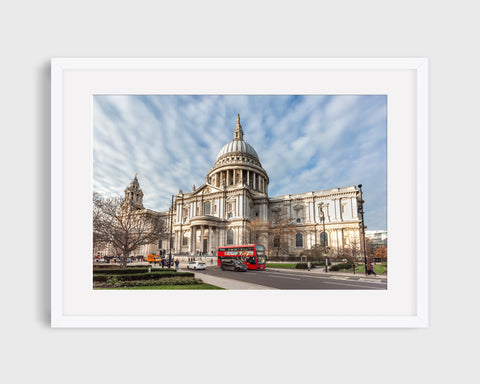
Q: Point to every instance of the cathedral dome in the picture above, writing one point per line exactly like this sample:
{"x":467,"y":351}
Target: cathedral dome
{"x":238,"y":146}
{"x":238,"y":165}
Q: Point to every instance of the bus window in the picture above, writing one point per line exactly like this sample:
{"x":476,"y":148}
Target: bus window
{"x":260,"y":254}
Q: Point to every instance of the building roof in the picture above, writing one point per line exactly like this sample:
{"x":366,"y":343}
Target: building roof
{"x":238,"y":146}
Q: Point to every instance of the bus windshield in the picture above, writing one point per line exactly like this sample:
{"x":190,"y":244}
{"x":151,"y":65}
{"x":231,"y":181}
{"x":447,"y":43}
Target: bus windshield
{"x":260,"y":254}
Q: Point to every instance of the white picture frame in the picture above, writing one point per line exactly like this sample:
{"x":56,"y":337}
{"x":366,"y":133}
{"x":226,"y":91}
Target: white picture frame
{"x":403,"y":304}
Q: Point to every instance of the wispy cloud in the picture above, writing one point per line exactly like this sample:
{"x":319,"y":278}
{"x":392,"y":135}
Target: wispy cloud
{"x":305,"y":143}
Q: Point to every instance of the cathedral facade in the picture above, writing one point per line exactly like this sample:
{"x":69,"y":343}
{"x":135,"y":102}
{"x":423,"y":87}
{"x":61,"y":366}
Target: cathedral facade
{"x":235,"y":194}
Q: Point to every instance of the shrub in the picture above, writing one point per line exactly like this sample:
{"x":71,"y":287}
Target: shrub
{"x":131,"y":271}
{"x":342,"y":266}
{"x":105,"y":266}
{"x":313,"y":265}
{"x":112,"y":282}
{"x":142,"y":276}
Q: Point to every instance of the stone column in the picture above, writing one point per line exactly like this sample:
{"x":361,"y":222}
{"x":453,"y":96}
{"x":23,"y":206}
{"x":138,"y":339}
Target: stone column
{"x":234,"y":177}
{"x":209,"y":240}
{"x":254,"y":180}
{"x":193,"y":234}
{"x":201,"y":238}
{"x":228,"y":178}
{"x":355,"y":209}
{"x":248,"y":178}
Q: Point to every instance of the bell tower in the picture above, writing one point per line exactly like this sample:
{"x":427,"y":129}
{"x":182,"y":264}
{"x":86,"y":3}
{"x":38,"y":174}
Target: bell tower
{"x":133,"y":195}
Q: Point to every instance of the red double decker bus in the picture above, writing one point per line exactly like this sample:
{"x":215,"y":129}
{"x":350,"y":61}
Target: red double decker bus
{"x":252,"y":255}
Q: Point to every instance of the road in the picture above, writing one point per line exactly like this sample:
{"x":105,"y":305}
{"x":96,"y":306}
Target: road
{"x":294,"y":279}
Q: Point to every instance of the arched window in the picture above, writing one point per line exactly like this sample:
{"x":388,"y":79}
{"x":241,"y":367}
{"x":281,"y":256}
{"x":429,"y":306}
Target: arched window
{"x":230,"y":237}
{"x":323,"y":239}
{"x":299,"y":240}
{"x":185,"y":238}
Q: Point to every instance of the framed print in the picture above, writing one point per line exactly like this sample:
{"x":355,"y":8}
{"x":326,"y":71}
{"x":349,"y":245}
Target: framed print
{"x":240,"y":193}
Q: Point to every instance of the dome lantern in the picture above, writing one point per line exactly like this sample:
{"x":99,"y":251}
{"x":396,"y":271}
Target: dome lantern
{"x":238,"y":131}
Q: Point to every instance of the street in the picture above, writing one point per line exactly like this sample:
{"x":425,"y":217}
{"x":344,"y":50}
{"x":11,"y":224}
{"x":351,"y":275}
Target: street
{"x":297,"y":279}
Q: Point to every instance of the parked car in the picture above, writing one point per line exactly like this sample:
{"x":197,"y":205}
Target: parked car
{"x":196,"y":265}
{"x":233,"y":265}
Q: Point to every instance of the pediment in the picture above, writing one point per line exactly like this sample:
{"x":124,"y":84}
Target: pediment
{"x":206,"y":189}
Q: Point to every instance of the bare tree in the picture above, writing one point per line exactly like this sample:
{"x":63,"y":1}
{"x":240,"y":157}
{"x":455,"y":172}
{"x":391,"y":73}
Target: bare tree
{"x":256,"y":229}
{"x":315,"y":253}
{"x":282,"y":230}
{"x":126,"y":229}
{"x":354,"y":249}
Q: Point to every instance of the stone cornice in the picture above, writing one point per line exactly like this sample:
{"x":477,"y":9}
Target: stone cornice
{"x":330,"y":227}
{"x":238,"y":164}
{"x":330,"y":194}
{"x":219,"y":162}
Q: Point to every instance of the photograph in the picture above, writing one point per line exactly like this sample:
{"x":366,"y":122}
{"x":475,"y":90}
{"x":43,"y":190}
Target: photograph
{"x":239,"y":192}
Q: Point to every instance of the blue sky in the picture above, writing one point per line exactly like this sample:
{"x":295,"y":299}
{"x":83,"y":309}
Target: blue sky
{"x":305,"y":143}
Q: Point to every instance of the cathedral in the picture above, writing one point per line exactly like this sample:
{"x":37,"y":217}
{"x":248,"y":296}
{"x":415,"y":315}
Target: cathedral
{"x":235,"y":194}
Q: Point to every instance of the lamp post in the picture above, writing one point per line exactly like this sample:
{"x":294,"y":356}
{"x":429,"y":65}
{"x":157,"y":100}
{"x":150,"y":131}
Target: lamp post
{"x":360,"y":211}
{"x":324,"y":240}
{"x":171,"y":234}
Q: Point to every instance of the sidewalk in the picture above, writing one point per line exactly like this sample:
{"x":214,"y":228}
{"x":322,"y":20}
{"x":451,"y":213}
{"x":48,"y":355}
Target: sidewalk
{"x":228,"y":283}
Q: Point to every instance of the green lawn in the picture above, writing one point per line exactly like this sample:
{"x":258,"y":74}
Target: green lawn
{"x":282,"y":265}
{"x":360,"y":268}
{"x":193,"y":286}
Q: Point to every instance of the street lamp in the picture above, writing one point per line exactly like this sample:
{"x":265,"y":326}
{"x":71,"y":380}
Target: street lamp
{"x":324,"y":239}
{"x":171,"y":234}
{"x":360,"y":211}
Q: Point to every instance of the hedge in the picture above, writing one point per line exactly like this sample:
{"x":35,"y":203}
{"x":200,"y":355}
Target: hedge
{"x":313,"y":265}
{"x":143,"y":276}
{"x":113,"y":282}
{"x":131,"y":271}
{"x":339,"y":267}
{"x":106,"y":266}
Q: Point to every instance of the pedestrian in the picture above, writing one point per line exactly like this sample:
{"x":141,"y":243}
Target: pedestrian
{"x":370,"y":270}
{"x":309,"y":265}
{"x":163,"y":262}
{"x":176,"y":264}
